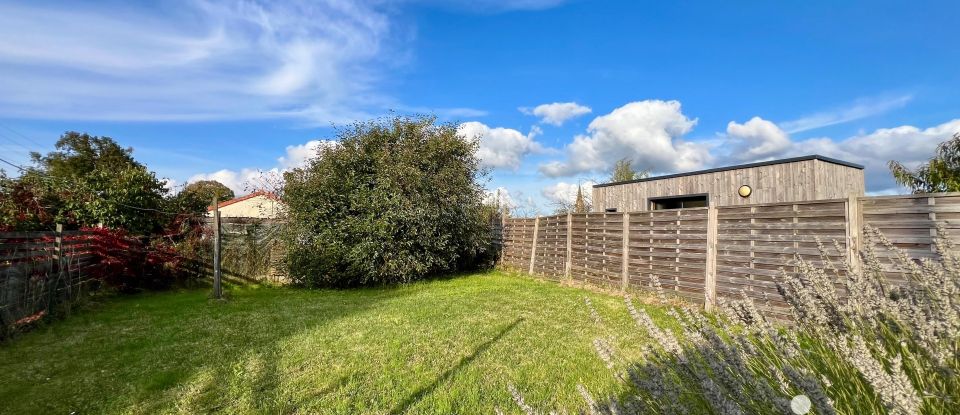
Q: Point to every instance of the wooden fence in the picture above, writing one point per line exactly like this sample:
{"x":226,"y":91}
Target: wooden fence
{"x":708,"y":253}
{"x":251,"y":250}
{"x":40,"y":271}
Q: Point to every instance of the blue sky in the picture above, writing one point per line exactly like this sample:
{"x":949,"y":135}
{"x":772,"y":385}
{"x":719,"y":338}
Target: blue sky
{"x":557,"y":91}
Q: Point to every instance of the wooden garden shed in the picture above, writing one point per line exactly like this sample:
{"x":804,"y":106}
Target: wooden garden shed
{"x":797,"y":179}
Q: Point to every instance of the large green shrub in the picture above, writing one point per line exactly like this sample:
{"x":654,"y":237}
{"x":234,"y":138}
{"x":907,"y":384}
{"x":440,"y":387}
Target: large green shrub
{"x":393,"y":200}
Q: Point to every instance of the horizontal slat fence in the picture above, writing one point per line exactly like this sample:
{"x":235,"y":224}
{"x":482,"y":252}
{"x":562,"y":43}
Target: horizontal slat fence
{"x":517,"y":242}
{"x":671,"y":246}
{"x":42,"y":270}
{"x":910,"y":223}
{"x":597,"y":247}
{"x":755,"y":242}
{"x":551,"y":254}
{"x":708,"y":253}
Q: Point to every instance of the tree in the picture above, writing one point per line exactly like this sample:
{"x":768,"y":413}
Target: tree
{"x":623,"y":171}
{"x":396,"y":200}
{"x":85,"y":181}
{"x":940,"y":174}
{"x":79,"y":154}
{"x":197,"y":196}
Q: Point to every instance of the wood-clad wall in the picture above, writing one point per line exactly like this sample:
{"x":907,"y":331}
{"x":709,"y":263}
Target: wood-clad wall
{"x":833,"y":181}
{"x":798,"y":181}
{"x":730,"y":251}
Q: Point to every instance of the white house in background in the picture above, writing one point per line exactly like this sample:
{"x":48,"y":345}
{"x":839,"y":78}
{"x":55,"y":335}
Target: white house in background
{"x":260,"y":204}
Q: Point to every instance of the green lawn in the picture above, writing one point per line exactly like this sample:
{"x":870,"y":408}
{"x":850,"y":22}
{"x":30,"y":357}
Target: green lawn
{"x":445,"y":346}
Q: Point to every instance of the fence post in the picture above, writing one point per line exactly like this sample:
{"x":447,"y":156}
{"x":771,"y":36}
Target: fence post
{"x":533,"y":249}
{"x":932,"y":201}
{"x":854,"y":232}
{"x":710,"y":275}
{"x":58,"y":255}
{"x":626,"y":252}
{"x":567,"y":269}
{"x":217,"y":289}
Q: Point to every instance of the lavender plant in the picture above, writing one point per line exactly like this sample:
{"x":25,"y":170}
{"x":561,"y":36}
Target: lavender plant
{"x":857,"y":344}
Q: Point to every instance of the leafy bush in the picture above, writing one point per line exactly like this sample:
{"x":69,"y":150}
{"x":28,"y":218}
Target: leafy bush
{"x":128,"y":263}
{"x":393,"y":200}
{"x":877,"y":348}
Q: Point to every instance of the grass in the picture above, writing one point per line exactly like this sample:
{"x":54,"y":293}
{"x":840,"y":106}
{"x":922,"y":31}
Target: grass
{"x":443,"y":346}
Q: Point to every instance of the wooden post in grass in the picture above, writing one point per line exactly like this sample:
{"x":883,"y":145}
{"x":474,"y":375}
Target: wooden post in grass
{"x":60,"y":264}
{"x":217,"y":289}
{"x":710,"y":274}
{"x":569,"y":264}
{"x":533,"y":249}
{"x":854,"y":232}
{"x":626,"y":252}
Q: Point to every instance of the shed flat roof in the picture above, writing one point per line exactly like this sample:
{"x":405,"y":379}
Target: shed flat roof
{"x":739,"y":166}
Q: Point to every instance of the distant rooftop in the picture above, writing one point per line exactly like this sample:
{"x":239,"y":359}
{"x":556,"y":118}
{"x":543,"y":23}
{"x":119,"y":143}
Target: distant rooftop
{"x":739,"y":166}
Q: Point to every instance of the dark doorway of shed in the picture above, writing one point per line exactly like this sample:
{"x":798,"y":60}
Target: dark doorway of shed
{"x":678,"y":202}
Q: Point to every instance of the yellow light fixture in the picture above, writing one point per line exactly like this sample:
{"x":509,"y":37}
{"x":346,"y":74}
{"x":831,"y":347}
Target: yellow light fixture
{"x":744,"y":191}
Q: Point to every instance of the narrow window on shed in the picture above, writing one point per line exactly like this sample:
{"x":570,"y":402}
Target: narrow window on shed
{"x":678,"y":202}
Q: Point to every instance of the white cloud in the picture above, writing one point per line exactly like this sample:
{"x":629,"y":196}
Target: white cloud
{"x":248,"y":179}
{"x":500,"y":147}
{"x":759,"y":139}
{"x":566,"y":193}
{"x":907,"y":144}
{"x":501,"y":195}
{"x":535,"y":130}
{"x":651,"y":134}
{"x":648,"y":132}
{"x":493,"y":6}
{"x":756,"y":139}
{"x":298,"y":155}
{"x":557,"y":113}
{"x":862,"y":108}
{"x":194,"y":61}
{"x":171,"y":185}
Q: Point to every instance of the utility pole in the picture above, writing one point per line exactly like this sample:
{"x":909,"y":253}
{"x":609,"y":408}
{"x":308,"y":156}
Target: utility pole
{"x":217,"y":290}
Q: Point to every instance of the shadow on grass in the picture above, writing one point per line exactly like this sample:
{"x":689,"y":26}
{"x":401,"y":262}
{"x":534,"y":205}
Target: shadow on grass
{"x":153,"y":349}
{"x":426,"y":390}
{"x":720,"y":377}
{"x":255,"y":377}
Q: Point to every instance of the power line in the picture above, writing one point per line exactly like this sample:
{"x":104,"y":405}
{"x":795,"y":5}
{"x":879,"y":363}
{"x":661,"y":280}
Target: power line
{"x":30,"y":140}
{"x":25,"y":150}
{"x":18,"y":167}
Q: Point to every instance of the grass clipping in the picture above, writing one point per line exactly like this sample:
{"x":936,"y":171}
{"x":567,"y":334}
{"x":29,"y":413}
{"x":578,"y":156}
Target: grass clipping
{"x":857,"y":345}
